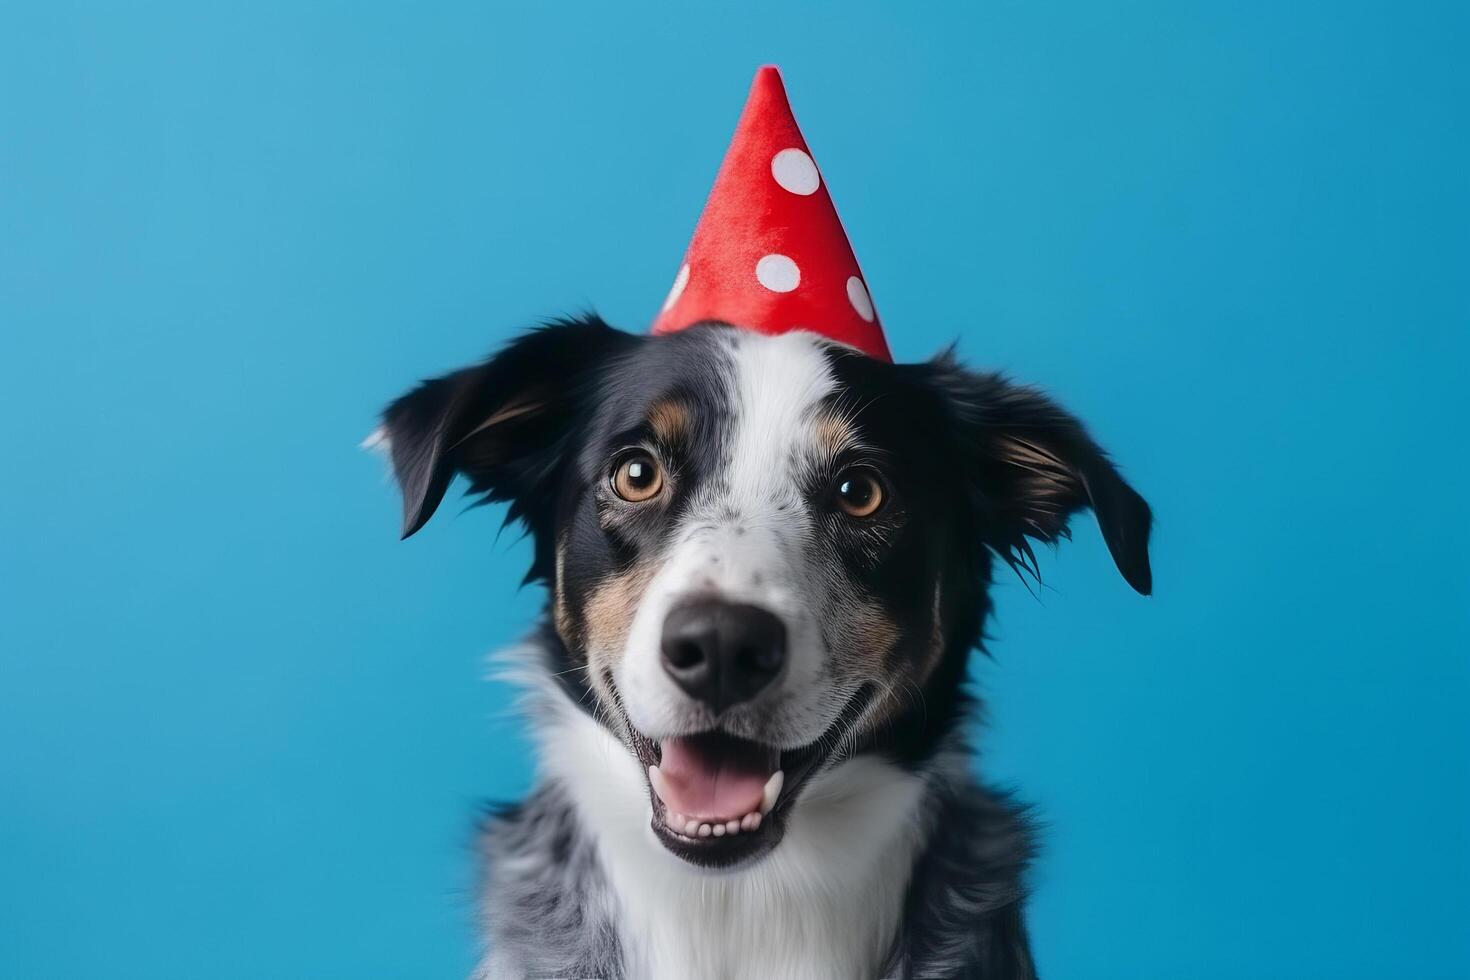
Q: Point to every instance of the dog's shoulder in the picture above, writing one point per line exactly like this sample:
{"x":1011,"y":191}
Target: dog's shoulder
{"x":545,"y":901}
{"x":963,"y":912}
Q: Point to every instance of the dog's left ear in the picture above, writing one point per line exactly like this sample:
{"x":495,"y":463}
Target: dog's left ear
{"x":506,"y":425}
{"x":1032,"y":465}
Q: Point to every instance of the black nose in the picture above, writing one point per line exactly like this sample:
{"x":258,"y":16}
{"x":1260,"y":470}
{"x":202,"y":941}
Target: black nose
{"x":722,"y":653}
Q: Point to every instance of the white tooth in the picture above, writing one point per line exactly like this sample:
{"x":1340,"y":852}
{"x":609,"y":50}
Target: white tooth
{"x":656,"y":780}
{"x":719,"y":830}
{"x":772,"y":790}
{"x":675,"y":820}
{"x":733,"y":827}
{"x":691,"y":828}
{"x":704,"y":830}
{"x":749,"y":821}
{"x":755,"y":821}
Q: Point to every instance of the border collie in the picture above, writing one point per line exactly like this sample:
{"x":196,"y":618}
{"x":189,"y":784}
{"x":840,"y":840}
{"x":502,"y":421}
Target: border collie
{"x":767,"y":560}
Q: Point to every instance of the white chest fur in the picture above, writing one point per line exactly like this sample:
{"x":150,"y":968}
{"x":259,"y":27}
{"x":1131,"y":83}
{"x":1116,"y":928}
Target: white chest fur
{"x":824,"y":904}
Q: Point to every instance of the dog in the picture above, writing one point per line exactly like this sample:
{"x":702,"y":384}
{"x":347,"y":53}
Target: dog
{"x":767,"y":560}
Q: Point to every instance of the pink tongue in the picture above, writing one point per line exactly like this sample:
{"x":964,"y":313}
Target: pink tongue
{"x":712,"y":777}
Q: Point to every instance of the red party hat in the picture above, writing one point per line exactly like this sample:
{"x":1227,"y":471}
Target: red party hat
{"x":769,"y":253}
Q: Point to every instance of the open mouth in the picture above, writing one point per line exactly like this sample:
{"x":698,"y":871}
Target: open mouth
{"x":720,"y":800}
{"x":711,"y":785}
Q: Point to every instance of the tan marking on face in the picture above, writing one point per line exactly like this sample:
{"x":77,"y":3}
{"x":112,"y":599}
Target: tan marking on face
{"x":669,"y":420}
{"x":608,"y":614}
{"x":875,"y":637}
{"x":872,"y":635}
{"x":869,"y":653}
{"x":560,"y":615}
{"x":833,"y":431}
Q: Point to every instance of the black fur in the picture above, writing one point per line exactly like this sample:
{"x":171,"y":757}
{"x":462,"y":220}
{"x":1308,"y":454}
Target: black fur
{"x":962,"y":916}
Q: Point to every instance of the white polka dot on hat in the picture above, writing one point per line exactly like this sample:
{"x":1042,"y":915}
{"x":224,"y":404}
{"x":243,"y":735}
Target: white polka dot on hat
{"x":778,"y":273}
{"x":796,"y":171}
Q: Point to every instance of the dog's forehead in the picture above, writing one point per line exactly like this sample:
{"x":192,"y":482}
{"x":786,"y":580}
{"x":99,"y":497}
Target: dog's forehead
{"x":779,"y":387}
{"x":758,"y":394}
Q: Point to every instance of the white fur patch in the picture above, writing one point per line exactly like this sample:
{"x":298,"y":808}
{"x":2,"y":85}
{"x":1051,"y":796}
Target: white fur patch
{"x":825,"y":903}
{"x":377,"y":441}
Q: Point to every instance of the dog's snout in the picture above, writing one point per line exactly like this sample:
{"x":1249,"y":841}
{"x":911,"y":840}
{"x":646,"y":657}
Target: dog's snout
{"x":723,"y":653}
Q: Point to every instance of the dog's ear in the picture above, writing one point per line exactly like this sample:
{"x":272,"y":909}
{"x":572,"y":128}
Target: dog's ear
{"x":505,"y":424}
{"x":1031,"y":465}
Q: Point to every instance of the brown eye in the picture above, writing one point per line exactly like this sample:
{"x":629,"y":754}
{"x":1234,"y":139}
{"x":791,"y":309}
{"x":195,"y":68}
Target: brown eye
{"x":859,"y":493}
{"x":637,"y":478}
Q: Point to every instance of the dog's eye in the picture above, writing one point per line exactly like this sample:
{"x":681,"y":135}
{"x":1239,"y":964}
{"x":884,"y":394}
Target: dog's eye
{"x":637,"y":478}
{"x":859,"y":493}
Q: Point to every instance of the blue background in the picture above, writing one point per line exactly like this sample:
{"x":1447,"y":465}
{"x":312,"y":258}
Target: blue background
{"x":243,"y":731}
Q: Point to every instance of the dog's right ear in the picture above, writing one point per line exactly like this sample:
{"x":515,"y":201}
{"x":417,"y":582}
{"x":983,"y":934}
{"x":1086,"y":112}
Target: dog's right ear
{"x":1032,"y":465}
{"x":503,"y":424}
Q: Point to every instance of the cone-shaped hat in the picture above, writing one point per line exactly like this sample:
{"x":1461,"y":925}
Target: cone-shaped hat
{"x":769,"y":253}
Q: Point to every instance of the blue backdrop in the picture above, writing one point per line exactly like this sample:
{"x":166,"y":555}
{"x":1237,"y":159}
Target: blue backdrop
{"x":243,"y":730}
